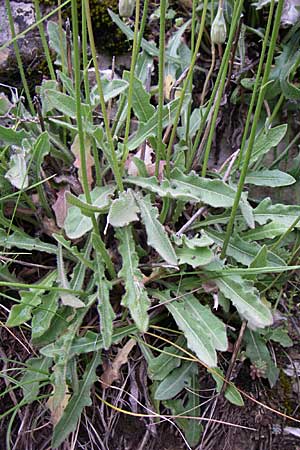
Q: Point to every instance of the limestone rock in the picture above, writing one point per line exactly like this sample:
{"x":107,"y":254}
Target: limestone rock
{"x":29,"y":45}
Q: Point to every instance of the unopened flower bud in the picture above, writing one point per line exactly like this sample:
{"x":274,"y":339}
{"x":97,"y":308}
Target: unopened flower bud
{"x":218,"y":31}
{"x":126,"y":7}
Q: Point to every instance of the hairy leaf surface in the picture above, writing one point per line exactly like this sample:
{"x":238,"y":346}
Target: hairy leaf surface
{"x":272,"y":178}
{"x":77,"y":223}
{"x":123,"y":210}
{"x":245,"y":298}
{"x":189,"y":188}
{"x":156,"y":234}
{"x":105,"y":309}
{"x":176,"y":381}
{"x":78,"y":401}
{"x":136,"y":297}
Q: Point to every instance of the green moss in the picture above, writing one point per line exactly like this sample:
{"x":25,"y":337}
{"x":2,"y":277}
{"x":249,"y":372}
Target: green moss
{"x":108,"y":37}
{"x":287,"y":397}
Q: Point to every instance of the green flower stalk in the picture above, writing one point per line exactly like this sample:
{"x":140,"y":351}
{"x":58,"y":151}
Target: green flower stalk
{"x":126,"y":7}
{"x":218,"y":32}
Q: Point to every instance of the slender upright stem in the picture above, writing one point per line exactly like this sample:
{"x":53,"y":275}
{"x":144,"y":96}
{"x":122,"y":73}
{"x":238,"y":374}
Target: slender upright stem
{"x":258,"y":108}
{"x":256,"y":84}
{"x":61,"y":41}
{"x":18,"y":57}
{"x":193,"y":32}
{"x":31,"y":27}
{"x":43,"y":39}
{"x":81,"y":136}
{"x":115,"y":164}
{"x":87,"y":91}
{"x":275,"y":110}
{"x":161,"y":79}
{"x":122,"y":102}
{"x":285,"y":234}
{"x":85,"y":183}
{"x":285,"y":151}
{"x":184,"y":88}
{"x":135,"y":51}
{"x":234,"y":26}
{"x":224,"y":63}
{"x":209,"y":74}
{"x":143,"y":23}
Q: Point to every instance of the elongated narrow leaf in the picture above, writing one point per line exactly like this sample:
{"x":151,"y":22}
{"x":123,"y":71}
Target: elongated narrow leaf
{"x":189,"y":188}
{"x":149,"y":47}
{"x":156,"y":234}
{"x":140,"y":100}
{"x":73,"y":250}
{"x":173,"y":48}
{"x":286,"y":64}
{"x":57,"y":41}
{"x":272,"y":178}
{"x":17,"y":174}
{"x":141,"y":105}
{"x":233,"y":396}
{"x":247,"y":210}
{"x":79,"y":271}
{"x":212,"y":192}
{"x":243,"y":251}
{"x":143,"y":63}
{"x":5,"y":104}
{"x":266,"y":140}
{"x":212,"y":326}
{"x":256,"y":348}
{"x":195,"y":242}
{"x":254,"y":271}
{"x":37,"y":371}
{"x":197,"y":337}
{"x":176,"y":381}
{"x":25,"y":242}
{"x":191,"y":428}
{"x":9,"y":136}
{"x":86,"y":208}
{"x":195,"y":120}
{"x":123,"y":210}
{"x":231,"y":393}
{"x":260,"y":260}
{"x":194,"y":257}
{"x":76,"y":223}
{"x":67,"y":299}
{"x":56,"y":329}
{"x":149,"y":128}
{"x":63,"y":361}
{"x":63,"y":102}
{"x":43,"y":314}
{"x":267,"y":231}
{"x":111,"y":89}
{"x":258,"y":352}
{"x":105,"y":309}
{"x":40,"y":149}
{"x":284,"y":214}
{"x":136,"y":297}
{"x":90,"y":342}
{"x":160,"y":367}
{"x":245,"y":298}
{"x":60,"y":394}
{"x":263,"y":213}
{"x":67,"y":83}
{"x":79,"y":400}
{"x":22,"y":312}
{"x":281,"y":336}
